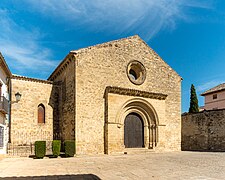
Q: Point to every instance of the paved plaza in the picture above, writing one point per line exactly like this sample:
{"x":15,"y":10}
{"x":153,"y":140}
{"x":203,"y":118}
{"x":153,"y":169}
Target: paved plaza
{"x":169,"y":165}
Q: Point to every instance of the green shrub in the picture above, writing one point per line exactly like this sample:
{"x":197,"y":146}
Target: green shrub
{"x":56,"y":146}
{"x":40,"y":149}
{"x":69,"y":146}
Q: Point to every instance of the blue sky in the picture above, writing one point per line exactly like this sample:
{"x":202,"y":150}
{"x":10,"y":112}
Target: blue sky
{"x":35,"y":35}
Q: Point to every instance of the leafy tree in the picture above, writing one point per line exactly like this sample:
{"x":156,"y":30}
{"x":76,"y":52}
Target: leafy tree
{"x":193,"y":101}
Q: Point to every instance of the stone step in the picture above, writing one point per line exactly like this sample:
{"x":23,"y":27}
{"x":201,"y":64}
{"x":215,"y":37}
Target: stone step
{"x":138,"y":150}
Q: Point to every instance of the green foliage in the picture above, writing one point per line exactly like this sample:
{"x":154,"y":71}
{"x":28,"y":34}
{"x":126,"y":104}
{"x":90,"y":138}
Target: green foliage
{"x":69,"y":146}
{"x":193,"y":101}
{"x":40,"y":149}
{"x":56,"y":146}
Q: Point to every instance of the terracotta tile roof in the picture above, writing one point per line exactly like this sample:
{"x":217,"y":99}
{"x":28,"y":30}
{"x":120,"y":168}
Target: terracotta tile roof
{"x":14,"y":76}
{"x":220,"y":87}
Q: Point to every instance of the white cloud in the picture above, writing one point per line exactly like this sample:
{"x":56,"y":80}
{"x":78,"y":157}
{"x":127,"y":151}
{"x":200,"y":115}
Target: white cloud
{"x":208,"y":85}
{"x":21,"y":48}
{"x":145,"y":17}
{"x":27,"y":57}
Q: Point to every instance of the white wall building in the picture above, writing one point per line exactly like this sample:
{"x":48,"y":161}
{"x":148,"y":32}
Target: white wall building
{"x":5,"y":75}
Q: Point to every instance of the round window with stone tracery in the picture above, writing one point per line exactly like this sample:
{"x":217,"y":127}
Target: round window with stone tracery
{"x":136,"y":72}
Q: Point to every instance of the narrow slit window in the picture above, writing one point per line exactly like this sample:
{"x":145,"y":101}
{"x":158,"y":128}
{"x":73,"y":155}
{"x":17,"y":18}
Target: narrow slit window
{"x":0,"y":89}
{"x":41,"y":113}
{"x":214,"y":96}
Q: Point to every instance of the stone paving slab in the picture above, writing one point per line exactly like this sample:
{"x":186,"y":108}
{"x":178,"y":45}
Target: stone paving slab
{"x":170,"y":165}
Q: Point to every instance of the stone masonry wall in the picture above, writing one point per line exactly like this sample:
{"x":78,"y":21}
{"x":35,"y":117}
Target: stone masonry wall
{"x":204,"y":131}
{"x":63,"y":102}
{"x":106,"y":65}
{"x":25,"y":129}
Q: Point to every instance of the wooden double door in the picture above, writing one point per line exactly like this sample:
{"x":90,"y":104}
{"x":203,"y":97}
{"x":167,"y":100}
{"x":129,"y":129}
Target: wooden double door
{"x":133,"y":131}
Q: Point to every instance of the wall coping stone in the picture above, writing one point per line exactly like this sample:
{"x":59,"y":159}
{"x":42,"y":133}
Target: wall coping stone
{"x":201,"y":112}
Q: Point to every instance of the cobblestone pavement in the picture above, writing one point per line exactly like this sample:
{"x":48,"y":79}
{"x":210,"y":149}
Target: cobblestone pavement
{"x":169,"y":165}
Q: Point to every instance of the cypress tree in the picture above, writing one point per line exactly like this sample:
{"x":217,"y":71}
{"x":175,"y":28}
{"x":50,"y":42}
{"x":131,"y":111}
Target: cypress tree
{"x":193,"y":101}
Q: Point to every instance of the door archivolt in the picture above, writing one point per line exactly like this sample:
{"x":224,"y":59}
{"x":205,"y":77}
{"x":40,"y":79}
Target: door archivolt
{"x":147,"y":116}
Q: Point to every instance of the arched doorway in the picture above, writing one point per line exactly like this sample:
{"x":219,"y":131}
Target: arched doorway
{"x":118,"y":131}
{"x":133,"y":131}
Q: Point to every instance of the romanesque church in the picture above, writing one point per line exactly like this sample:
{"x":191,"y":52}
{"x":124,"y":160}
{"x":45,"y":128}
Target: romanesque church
{"x":108,"y":98}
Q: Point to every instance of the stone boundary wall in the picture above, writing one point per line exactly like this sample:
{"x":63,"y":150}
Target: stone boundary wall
{"x":203,"y":131}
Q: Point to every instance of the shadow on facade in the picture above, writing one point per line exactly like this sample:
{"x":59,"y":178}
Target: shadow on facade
{"x":73,"y":176}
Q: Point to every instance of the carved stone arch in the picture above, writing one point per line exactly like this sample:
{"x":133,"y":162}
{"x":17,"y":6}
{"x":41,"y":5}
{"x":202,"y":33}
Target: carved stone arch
{"x":149,"y":117}
{"x":145,"y":109}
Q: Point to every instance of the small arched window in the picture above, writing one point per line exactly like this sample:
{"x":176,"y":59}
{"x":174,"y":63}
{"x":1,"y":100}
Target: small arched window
{"x":41,"y":113}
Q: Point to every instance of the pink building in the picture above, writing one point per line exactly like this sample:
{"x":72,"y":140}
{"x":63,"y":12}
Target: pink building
{"x":215,"y":97}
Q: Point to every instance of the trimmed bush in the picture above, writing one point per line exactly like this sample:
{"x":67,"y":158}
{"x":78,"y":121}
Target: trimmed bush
{"x":56,"y":146}
{"x":69,"y":146}
{"x":40,"y":149}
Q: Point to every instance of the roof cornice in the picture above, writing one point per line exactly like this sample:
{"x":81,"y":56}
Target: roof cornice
{"x":134,"y":92}
{"x":63,"y":64}
{"x":30,"y":79}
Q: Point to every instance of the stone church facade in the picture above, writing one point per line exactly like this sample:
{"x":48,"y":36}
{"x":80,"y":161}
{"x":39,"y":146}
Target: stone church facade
{"x":107,"y":98}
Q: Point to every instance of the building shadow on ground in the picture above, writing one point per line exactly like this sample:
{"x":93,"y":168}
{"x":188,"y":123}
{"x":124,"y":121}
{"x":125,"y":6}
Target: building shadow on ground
{"x":212,"y":151}
{"x":56,"y":177}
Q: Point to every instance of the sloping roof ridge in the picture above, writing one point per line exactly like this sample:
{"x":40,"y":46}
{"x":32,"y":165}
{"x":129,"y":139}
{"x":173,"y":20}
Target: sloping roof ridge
{"x":90,"y":47}
{"x":59,"y":66}
{"x":15,"y":76}
{"x":105,"y":43}
{"x":217,"y":88}
{"x":160,"y":58}
{"x":75,"y":52}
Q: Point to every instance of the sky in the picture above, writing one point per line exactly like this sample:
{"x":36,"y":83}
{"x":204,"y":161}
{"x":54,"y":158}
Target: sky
{"x":36,"y":35}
